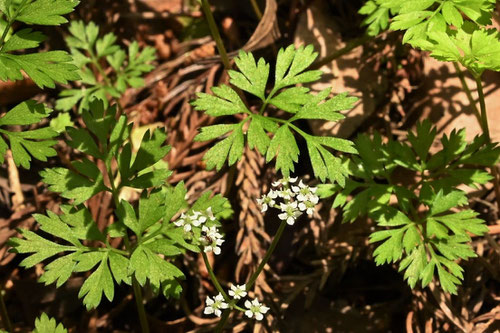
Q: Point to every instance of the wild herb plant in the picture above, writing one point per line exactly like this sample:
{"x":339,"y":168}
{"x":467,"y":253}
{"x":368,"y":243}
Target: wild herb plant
{"x":106,"y":70}
{"x":273,"y":136}
{"x":424,"y":225}
{"x":44,"y":68}
{"x":425,"y":228}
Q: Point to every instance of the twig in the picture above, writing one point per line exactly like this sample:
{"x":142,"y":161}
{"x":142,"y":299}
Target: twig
{"x":14,"y":182}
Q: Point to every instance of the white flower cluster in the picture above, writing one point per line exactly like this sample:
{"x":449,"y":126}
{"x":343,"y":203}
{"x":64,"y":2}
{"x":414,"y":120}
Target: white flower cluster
{"x":217,"y":304}
{"x":210,"y":237}
{"x":195,"y":219}
{"x":297,"y":199}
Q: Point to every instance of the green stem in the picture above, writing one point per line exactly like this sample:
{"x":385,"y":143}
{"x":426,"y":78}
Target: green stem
{"x":467,"y":90}
{"x":213,"y":277}
{"x":9,"y":24}
{"x":486,"y":131}
{"x":482,"y":105}
{"x":269,"y":252}
{"x":5,"y":315}
{"x":222,"y":322}
{"x":215,"y":33}
{"x":140,"y":306}
{"x":256,"y":9}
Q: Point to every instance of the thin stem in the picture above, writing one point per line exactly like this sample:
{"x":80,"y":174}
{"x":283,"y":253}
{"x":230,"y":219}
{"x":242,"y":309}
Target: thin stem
{"x":482,"y":105}
{"x":213,"y":277}
{"x":256,"y":9}
{"x":140,"y":306}
{"x":222,"y":321}
{"x":486,"y":131}
{"x":215,"y":33}
{"x":269,"y":252}
{"x":467,"y":90}
{"x":5,"y":315}
{"x":9,"y":24}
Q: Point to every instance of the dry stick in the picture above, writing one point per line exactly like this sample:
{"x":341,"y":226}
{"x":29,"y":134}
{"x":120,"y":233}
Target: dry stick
{"x":215,"y":33}
{"x":14,"y":182}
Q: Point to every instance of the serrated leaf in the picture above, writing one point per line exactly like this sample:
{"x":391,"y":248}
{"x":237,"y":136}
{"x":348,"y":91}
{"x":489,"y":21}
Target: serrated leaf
{"x":230,"y":148}
{"x":284,"y":147}
{"x":252,"y":76}
{"x":319,"y":108}
{"x":44,"y":324}
{"x":291,"y":64}
{"x":46,"y":12}
{"x":443,"y":202}
{"x":292,"y":99}
{"x":23,"y":39}
{"x":98,"y":283}
{"x":391,"y":249}
{"x":118,"y":265}
{"x":45,"y":68}
{"x":151,"y":150}
{"x":225,"y":101}
{"x":59,"y":270}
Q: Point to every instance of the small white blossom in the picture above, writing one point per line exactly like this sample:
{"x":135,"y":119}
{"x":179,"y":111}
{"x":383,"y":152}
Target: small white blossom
{"x":307,"y":206}
{"x":290,"y":212}
{"x":255,"y":309}
{"x":210,"y":214}
{"x":284,"y":181}
{"x":212,"y":239}
{"x":286,"y":194}
{"x":215,"y":305}
{"x":184,"y":221}
{"x":267,"y":200}
{"x":237,"y":292}
{"x":197,"y":219}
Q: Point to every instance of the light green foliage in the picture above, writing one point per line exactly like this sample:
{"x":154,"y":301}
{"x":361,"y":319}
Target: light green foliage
{"x":122,"y":69}
{"x":45,"y":68}
{"x":274,"y":137}
{"x":44,"y":324}
{"x":421,"y":223}
{"x":26,"y":144}
{"x":452,"y":30}
{"x":107,"y":139}
{"x":71,"y":242}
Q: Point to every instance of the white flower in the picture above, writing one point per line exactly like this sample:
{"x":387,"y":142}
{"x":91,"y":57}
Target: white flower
{"x":267,"y":200}
{"x":290,"y":212}
{"x":286,"y":194}
{"x":284,"y":181}
{"x":214,"y":305}
{"x":184,"y":221}
{"x":307,"y":206}
{"x":210,"y":214}
{"x":237,"y":292}
{"x":211,"y":238}
{"x":255,"y":309}
{"x":197,"y":219}
{"x":304,"y":191}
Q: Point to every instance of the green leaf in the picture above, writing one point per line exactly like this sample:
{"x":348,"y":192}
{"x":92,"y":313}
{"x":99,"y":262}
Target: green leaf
{"x":72,"y":185}
{"x":60,"y":122}
{"x":391,"y":249}
{"x":59,"y":270}
{"x":291,"y":64}
{"x":175,"y":199}
{"x":23,"y":143}
{"x":45,"y":68}
{"x":46,"y":12}
{"x":252,"y":76}
{"x":39,"y":247}
{"x":319,"y":108}
{"x":462,"y":222}
{"x":98,"y":283}
{"x":118,"y":265}
{"x":378,"y":17}
{"x":44,"y":324}
{"x":443,"y":202}
{"x":422,"y":140}
{"x":23,"y":39}
{"x":284,"y":147}
{"x":224,"y":102}
{"x":151,"y":150}
{"x":230,"y":148}
{"x":146,"y":265}
{"x":292,"y":99}
{"x":256,"y":134}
